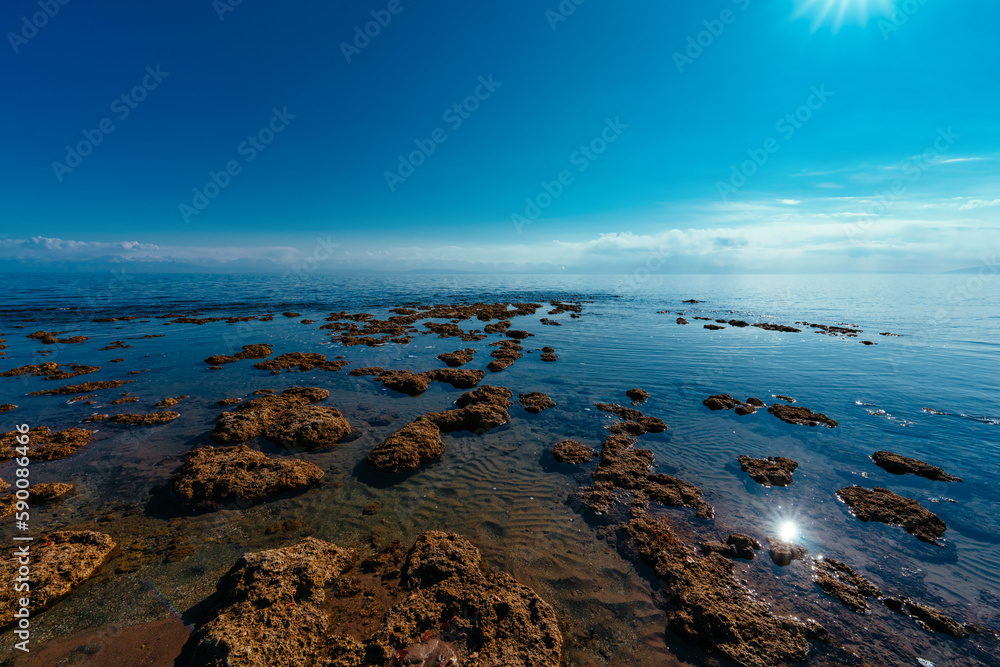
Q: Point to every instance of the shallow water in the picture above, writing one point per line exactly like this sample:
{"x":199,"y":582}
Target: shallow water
{"x":502,"y":489}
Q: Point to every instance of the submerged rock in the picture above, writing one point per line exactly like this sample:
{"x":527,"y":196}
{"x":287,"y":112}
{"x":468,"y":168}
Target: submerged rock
{"x":458,"y":357}
{"x":712,"y":608}
{"x":799,"y":415}
{"x":928,"y":617}
{"x":783,"y":553}
{"x":37,"y":494}
{"x":772,"y":471}
{"x":736,"y":545}
{"x":570,"y":451}
{"x":409,"y":448}
{"x":842,"y":583}
{"x":883,"y":505}
{"x":45,"y":445}
{"x":230,"y":473}
{"x":60,"y":562}
{"x":625,"y":468}
{"x":635,"y":422}
{"x":535,"y":401}
{"x":49,"y":338}
{"x":169,"y":402}
{"x":50,"y":370}
{"x":274,"y":610}
{"x":902,"y":465}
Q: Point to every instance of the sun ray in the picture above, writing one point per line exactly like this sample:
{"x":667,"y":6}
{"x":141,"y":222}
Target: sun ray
{"x":838,"y":13}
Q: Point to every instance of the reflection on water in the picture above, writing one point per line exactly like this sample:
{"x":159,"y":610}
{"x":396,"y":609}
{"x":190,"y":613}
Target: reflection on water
{"x":503,"y":489}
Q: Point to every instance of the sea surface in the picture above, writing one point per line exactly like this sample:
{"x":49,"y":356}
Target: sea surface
{"x":503,"y":490}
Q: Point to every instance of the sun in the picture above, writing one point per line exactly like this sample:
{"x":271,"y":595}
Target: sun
{"x":837,"y":13}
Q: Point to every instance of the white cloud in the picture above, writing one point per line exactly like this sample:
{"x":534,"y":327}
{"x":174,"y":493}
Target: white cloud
{"x":45,"y":249}
{"x":978,"y":203}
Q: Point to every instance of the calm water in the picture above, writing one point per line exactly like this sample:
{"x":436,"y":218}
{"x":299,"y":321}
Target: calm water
{"x":503,"y":490}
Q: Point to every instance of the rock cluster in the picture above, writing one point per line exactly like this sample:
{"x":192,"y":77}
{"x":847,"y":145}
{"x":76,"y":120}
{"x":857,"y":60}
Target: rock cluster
{"x":435,"y":601}
{"x":570,"y":451}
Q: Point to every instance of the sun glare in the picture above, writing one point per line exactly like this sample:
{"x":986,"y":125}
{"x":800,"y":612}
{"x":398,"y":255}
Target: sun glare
{"x":838,"y":13}
{"x":788,"y":531}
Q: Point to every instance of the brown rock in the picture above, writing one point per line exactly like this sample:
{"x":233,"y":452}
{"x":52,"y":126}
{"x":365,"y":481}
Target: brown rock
{"x":229,"y":401}
{"x":49,"y":338}
{"x":772,"y":471}
{"x":81,"y":388}
{"x":714,"y":327}
{"x":535,"y":401}
{"x":51,"y":371}
{"x":776,"y":327}
{"x":681,"y":320}
{"x":169,"y":402}
{"x":7,"y":407}
{"x":625,"y":468}
{"x":229,"y":473}
{"x":371,"y":370}
{"x":409,"y":448}
{"x":638,"y":396}
{"x":161,"y":417}
{"x":842,"y":583}
{"x":301,"y":362}
{"x":736,"y":545}
{"x":37,"y":495}
{"x":636,"y":422}
{"x":885,"y":506}
{"x":901,"y":465}
{"x":254,"y":417}
{"x":712,"y":608}
{"x":308,"y":427}
{"x":60,"y":562}
{"x":783,"y":553}
{"x":928,"y":616}
{"x":458,"y":357}
{"x":44,"y":444}
{"x":275,"y":611}
{"x":570,"y":451}
{"x":255,"y":351}
{"x":799,"y":415}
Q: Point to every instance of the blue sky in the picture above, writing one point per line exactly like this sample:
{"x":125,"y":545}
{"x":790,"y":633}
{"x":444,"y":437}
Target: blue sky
{"x":756,"y":135}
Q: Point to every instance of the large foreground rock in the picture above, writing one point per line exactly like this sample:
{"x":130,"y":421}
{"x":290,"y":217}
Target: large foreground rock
{"x":292,"y":607}
{"x":227,"y":473}
{"x":712,"y":608}
{"x":59,"y":563}
{"x":883,"y":505}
